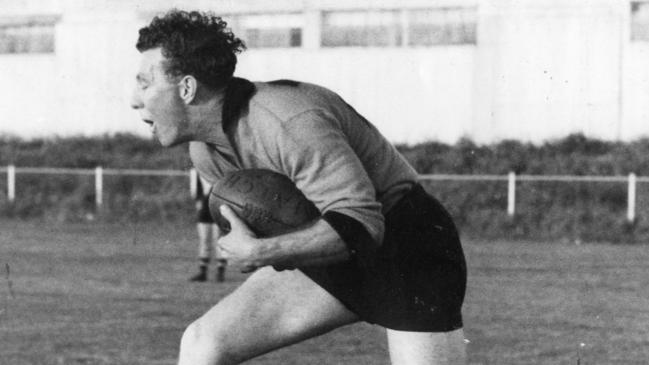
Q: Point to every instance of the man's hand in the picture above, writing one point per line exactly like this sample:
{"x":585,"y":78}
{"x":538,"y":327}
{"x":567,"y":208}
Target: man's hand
{"x":240,"y":245}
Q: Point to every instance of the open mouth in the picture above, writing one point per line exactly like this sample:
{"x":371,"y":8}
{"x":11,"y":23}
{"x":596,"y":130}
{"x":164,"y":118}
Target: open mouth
{"x":150,"y":123}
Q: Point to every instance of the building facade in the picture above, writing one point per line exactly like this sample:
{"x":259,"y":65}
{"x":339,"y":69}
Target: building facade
{"x":420,"y":70}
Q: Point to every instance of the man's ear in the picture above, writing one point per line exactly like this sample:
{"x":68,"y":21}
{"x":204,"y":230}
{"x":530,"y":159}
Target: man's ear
{"x":187,"y":88}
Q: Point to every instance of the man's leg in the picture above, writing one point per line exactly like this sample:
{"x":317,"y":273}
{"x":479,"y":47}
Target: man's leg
{"x":205,"y":238}
{"x":415,"y":348}
{"x":221,"y":263}
{"x":268,"y":311}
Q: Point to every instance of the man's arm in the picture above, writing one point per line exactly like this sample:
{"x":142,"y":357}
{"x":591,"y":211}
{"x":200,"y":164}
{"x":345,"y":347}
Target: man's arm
{"x":314,"y":153}
{"x":317,"y":244}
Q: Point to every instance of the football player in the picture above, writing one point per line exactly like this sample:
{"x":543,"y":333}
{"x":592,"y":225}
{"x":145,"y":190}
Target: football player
{"x":384,"y":251}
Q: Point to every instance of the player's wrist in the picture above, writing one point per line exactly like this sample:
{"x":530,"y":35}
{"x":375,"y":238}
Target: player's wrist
{"x":267,"y":251}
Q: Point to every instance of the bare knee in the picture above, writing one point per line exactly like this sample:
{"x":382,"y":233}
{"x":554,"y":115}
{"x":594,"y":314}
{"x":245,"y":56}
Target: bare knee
{"x":202,"y":344}
{"x":414,"y":348}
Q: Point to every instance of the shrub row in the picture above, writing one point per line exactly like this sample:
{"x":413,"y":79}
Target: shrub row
{"x":568,"y":211}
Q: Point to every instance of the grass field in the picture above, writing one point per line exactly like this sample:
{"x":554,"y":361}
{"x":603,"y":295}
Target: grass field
{"x":117,"y":294}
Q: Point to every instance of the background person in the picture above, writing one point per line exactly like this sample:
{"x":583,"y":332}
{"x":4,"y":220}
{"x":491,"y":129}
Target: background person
{"x":208,"y":233}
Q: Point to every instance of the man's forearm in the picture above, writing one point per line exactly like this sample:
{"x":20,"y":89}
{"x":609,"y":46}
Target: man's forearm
{"x":318,"y":244}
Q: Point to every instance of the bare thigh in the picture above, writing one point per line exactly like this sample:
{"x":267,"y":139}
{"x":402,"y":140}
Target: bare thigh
{"x":268,"y":311}
{"x":419,"y":348}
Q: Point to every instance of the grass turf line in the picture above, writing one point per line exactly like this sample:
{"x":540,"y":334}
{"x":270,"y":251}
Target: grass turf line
{"x":83,"y":293}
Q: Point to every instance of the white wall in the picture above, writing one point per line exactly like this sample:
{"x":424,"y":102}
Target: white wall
{"x":548,"y":68}
{"x":410,"y":95}
{"x":84,"y":87}
{"x":636,"y":91}
{"x":29,"y":97}
{"x":541,"y":69}
{"x":98,"y":73}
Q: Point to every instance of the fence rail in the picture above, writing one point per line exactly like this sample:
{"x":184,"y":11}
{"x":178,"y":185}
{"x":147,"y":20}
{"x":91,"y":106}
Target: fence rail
{"x":632,"y":180}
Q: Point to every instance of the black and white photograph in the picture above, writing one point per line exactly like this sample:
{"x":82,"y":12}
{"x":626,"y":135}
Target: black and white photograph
{"x":369,"y":182}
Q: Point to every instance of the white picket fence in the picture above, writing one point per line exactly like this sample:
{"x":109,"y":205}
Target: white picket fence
{"x":99,"y":172}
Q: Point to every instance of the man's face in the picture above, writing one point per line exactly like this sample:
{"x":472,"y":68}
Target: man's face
{"x":157,"y":98}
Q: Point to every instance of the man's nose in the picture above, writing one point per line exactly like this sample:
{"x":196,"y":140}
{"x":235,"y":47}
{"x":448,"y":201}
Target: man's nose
{"x":136,"y":101}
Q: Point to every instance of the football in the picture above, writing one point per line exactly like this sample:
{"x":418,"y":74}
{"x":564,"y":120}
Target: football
{"x":269,"y":202}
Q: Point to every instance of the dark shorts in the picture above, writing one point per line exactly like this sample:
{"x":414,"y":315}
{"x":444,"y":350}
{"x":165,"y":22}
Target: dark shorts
{"x":416,"y":281}
{"x":203,"y":211}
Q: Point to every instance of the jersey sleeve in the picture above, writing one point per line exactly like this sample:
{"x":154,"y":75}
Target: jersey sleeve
{"x":314,"y":152}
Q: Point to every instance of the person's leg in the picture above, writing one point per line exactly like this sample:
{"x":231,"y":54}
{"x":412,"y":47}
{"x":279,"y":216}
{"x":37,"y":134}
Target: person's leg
{"x":268,"y":311}
{"x":419,"y":348}
{"x":221,"y":263}
{"x":205,"y":239}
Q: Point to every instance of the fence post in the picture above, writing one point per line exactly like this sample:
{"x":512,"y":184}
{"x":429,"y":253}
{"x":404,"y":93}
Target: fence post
{"x":11,"y":183}
{"x":193,"y":177}
{"x":630,"y":213}
{"x":99,"y":186}
{"x":511,"y":194}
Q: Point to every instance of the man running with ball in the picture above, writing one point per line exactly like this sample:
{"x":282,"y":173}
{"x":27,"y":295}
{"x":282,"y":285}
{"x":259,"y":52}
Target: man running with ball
{"x":383,"y":251}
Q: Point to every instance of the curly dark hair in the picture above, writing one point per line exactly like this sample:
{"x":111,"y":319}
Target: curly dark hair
{"x":194,"y":43}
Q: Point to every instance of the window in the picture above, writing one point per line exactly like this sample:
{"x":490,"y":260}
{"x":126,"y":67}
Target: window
{"x":639,"y":21}
{"x":379,"y":28}
{"x":269,"y":30}
{"x":430,"y":27}
{"x":33,"y":35}
{"x":274,"y":30}
{"x":396,"y":28}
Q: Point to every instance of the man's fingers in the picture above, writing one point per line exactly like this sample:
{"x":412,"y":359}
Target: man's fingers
{"x":231,"y":216}
{"x":235,"y":245}
{"x":236,"y":223}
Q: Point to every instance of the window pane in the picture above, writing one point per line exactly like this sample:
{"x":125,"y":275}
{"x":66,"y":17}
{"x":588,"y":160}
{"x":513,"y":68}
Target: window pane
{"x":273,"y":37}
{"x":26,"y":37}
{"x":271,"y":30}
{"x":639,"y":21}
{"x":361,"y":29}
{"x":429,"y":27}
